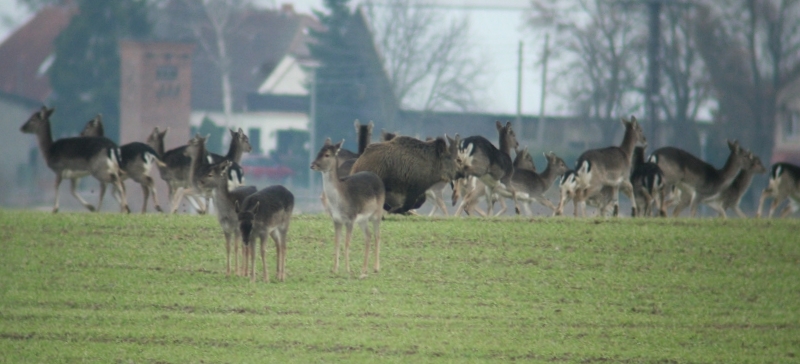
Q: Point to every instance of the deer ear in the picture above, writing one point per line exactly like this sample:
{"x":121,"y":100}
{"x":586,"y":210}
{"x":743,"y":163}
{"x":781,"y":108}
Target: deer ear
{"x":498,"y":124}
{"x":356,"y":124}
{"x":236,"y":206}
{"x":48,"y":112}
{"x":233,"y":133}
{"x":165,"y":132}
{"x":241,"y":131}
{"x":339,"y":144}
{"x":633,"y":119}
{"x":370,"y":125}
{"x":508,"y":124}
{"x":328,"y":141}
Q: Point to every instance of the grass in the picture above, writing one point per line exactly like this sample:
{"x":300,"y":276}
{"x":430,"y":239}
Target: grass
{"x":113,"y":288}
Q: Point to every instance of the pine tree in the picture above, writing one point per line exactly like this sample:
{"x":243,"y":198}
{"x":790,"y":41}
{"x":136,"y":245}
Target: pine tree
{"x":85,"y":74}
{"x":339,"y":75}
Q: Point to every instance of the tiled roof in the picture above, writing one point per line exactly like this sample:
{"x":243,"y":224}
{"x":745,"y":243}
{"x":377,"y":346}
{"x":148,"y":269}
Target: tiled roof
{"x":25,"y":53}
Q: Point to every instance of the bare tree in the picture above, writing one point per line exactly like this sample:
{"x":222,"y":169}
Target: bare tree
{"x":431,"y":67}
{"x":598,"y":44}
{"x":752,"y":51}
{"x":687,"y":87}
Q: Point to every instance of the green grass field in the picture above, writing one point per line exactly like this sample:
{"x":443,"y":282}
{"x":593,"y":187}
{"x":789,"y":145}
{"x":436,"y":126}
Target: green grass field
{"x":113,"y":288}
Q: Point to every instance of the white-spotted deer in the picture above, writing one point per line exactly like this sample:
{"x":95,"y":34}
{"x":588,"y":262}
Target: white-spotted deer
{"x":175,"y":171}
{"x":531,"y":186}
{"x":224,"y":178}
{"x":355,"y":199}
{"x":136,"y":161}
{"x":75,"y":158}
{"x":696,"y":179}
{"x":784,"y":183}
{"x":648,"y":185}
{"x":262,"y":214}
{"x":609,"y":167}
{"x":568,"y":186}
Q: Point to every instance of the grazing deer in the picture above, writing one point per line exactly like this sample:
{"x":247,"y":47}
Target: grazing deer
{"x":357,"y":198}
{"x":240,"y":144}
{"x":568,"y":187}
{"x":137,"y":160}
{"x":697,"y":179}
{"x":610,"y":166}
{"x":175,"y":171}
{"x":730,"y":197}
{"x":480,"y":158}
{"x":784,"y":183}
{"x":531,"y":186}
{"x":223,"y":178}
{"x":266,"y":212}
{"x":75,"y":158}
{"x":648,"y":184}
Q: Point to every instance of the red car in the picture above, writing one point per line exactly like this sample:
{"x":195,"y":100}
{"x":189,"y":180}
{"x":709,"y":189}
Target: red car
{"x":260,"y":166}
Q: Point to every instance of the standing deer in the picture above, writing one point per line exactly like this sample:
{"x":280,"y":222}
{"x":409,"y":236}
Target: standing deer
{"x":531,"y":186}
{"x":240,"y":144}
{"x":357,"y":198}
{"x":199,"y":161}
{"x":784,"y":183}
{"x":696,"y":179}
{"x":568,"y":187}
{"x":610,"y":166}
{"x":75,"y":158}
{"x":221,"y":177}
{"x":137,"y":160}
{"x":266,"y":212}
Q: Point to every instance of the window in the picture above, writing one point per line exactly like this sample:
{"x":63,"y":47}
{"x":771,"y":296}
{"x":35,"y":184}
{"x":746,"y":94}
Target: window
{"x":791,"y":125}
{"x":166,"y":72}
{"x":254,"y":134}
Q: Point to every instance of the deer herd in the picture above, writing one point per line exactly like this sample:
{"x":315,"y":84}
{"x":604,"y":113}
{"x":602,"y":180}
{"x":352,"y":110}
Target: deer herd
{"x":399,"y":173}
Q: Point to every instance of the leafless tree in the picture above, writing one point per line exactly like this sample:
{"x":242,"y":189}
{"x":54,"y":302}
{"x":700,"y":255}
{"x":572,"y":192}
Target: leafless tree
{"x":598,"y":45}
{"x":752,"y":51}
{"x":431,"y":66}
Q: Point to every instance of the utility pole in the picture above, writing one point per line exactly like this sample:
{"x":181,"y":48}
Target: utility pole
{"x":653,"y":69}
{"x":545,"y":55}
{"x":519,"y":93}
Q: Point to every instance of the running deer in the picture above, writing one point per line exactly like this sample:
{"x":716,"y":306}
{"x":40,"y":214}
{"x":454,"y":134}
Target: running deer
{"x":568,"y":186}
{"x":463,"y":186}
{"x":175,"y":171}
{"x":480,"y":158}
{"x":648,"y":185}
{"x":784,"y":183}
{"x":137,"y":160}
{"x":730,"y":197}
{"x":531,"y":186}
{"x":266,"y":212}
{"x":198,"y":161}
{"x":696,"y":179}
{"x":357,"y":198}
{"x":223,"y":178}
{"x":610,"y":166}
{"x":75,"y":158}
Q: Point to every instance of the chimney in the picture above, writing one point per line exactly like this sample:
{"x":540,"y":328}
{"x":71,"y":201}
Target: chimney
{"x":287,"y":8}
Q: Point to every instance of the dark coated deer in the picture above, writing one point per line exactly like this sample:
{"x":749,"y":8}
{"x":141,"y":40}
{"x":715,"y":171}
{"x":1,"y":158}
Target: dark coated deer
{"x":75,"y":158}
{"x":266,"y":212}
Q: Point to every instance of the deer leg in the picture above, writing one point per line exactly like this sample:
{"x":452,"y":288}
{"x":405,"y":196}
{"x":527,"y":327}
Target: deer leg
{"x":72,"y":184}
{"x":277,"y":239}
{"x":348,"y":235}
{"x":146,"y":194}
{"x":58,"y":183}
{"x":739,"y":212}
{"x":544,"y":201}
{"x":367,"y":241}
{"x":264,"y":241}
{"x":177,"y":196}
{"x":227,"y":253}
{"x":283,"y":233}
{"x":376,"y":227}
{"x":337,"y":228}
{"x":152,"y":186}
{"x":719,"y":209}
{"x":121,"y":196}
{"x":761,"y":203}
{"x":683,"y":201}
{"x":773,"y":206}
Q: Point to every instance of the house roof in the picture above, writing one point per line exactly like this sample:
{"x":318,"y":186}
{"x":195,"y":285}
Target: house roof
{"x":256,"y":42}
{"x":27,"y":52}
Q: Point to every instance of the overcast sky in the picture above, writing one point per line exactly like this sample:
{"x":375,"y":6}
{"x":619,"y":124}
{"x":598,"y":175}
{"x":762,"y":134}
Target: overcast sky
{"x":496,"y":29}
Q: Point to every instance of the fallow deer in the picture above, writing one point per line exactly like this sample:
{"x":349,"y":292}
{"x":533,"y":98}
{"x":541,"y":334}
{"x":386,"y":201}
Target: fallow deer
{"x":75,"y":158}
{"x":137,"y":160}
{"x":266,"y":212}
{"x":175,"y":171}
{"x":784,"y":183}
{"x":697,"y":179}
{"x":648,"y":184}
{"x":730,"y":197}
{"x":568,"y":186}
{"x":355,"y":199}
{"x":610,"y":166}
{"x":531,"y":186}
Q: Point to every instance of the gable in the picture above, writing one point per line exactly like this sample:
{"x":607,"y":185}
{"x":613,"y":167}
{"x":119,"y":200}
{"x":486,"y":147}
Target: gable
{"x":288,"y":78}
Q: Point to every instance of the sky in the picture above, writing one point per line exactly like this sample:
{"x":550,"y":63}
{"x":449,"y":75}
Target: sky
{"x":496,"y":30}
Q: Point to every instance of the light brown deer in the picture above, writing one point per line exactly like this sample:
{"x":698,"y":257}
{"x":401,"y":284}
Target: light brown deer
{"x":610,"y":166}
{"x":784,"y":183}
{"x":355,"y":199}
